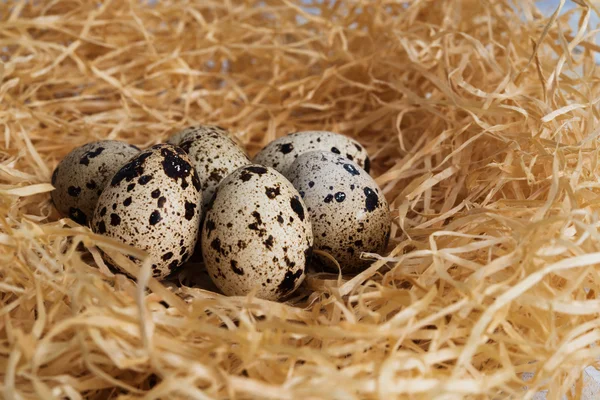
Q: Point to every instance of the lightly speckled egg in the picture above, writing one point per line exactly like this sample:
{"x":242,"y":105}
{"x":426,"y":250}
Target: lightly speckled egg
{"x":192,"y":132}
{"x":349,"y":214}
{"x":214,"y":155}
{"x":154,"y":203}
{"x":256,"y":234}
{"x":80,"y":177}
{"x":282,"y":152}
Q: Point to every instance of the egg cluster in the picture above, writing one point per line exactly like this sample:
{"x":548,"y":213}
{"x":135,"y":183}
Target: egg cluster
{"x":257,"y":221}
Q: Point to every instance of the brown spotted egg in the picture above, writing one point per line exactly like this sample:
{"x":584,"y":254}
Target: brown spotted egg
{"x":256,"y":234}
{"x":281,"y":153}
{"x":214,"y":155}
{"x":349,"y":213}
{"x":154,"y":203}
{"x":195,"y":131}
{"x":80,"y":177}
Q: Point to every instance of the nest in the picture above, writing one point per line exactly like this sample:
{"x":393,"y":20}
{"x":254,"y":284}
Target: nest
{"x":482,"y":121}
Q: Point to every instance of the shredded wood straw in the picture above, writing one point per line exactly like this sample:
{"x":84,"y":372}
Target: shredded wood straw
{"x":482,"y":119}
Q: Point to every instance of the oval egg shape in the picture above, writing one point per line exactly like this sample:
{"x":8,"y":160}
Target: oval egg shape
{"x":214,"y":155}
{"x":192,"y":132}
{"x":154,"y":203}
{"x":82,"y":175}
{"x":349,"y":213}
{"x":282,"y":152}
{"x":256,"y":234}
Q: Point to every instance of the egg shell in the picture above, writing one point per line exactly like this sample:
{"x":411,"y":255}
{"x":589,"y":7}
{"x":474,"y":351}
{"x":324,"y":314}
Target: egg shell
{"x":256,"y":234}
{"x":214,"y":155}
{"x":349,"y":214}
{"x":154,"y":203}
{"x":282,"y":152}
{"x":82,"y":175}
{"x":195,"y":131}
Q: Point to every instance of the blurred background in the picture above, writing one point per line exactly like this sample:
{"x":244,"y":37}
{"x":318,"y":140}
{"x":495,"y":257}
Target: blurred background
{"x":549,"y":6}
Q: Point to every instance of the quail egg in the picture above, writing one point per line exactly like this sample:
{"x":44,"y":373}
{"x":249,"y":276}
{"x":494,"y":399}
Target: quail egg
{"x":256,"y":234}
{"x":281,"y":153}
{"x":349,"y":213}
{"x":80,"y":177}
{"x":214,"y":155}
{"x":192,"y":132}
{"x":154,"y":203}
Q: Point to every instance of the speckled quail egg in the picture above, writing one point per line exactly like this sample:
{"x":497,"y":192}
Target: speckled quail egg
{"x":281,"y":153}
{"x":154,"y":203}
{"x":80,"y":177}
{"x":349,"y":214}
{"x":192,"y":132}
{"x":256,"y":234}
{"x":214,"y":155}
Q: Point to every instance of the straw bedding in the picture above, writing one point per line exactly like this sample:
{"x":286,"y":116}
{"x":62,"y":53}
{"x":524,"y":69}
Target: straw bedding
{"x":482,"y":121}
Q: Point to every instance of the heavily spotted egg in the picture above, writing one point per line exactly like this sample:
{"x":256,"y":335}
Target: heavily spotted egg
{"x":154,"y":203}
{"x":349,"y":213}
{"x":81,"y":176}
{"x":281,"y":153}
{"x":256,"y":234}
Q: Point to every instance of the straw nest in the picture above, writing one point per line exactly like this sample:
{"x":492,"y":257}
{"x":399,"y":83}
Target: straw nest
{"x":482,"y":121}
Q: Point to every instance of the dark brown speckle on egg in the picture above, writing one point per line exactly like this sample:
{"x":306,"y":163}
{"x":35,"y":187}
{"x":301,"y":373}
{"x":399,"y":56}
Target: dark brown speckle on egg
{"x":282,"y":152}
{"x":149,"y":214}
{"x":83,"y":173}
{"x":346,"y":222}
{"x":247,"y":243}
{"x":213,"y":155}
